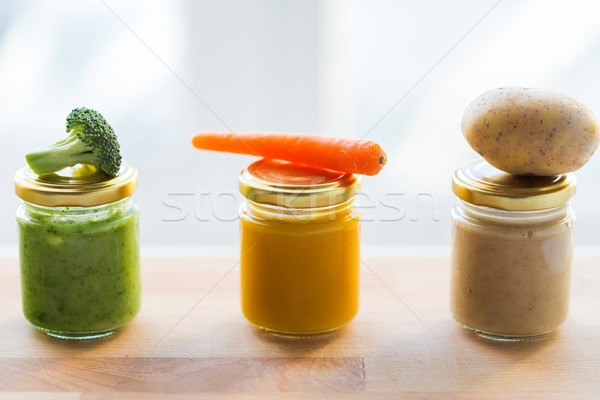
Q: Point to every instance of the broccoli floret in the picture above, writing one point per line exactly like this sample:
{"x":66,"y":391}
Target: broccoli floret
{"x":91,"y":140}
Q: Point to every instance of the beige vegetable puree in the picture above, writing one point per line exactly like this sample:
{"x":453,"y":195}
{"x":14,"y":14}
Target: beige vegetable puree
{"x":511,"y":279}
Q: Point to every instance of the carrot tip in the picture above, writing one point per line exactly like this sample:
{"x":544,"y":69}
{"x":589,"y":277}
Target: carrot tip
{"x":382,"y":159}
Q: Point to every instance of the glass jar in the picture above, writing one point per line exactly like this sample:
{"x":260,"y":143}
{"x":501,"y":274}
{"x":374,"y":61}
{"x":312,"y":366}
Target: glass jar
{"x":79,"y":250}
{"x":299,"y":248}
{"x":512,"y":245}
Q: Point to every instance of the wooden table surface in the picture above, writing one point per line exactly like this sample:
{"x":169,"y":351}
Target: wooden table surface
{"x":191,"y":341}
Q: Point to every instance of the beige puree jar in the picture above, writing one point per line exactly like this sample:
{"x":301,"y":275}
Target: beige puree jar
{"x":512,"y":245}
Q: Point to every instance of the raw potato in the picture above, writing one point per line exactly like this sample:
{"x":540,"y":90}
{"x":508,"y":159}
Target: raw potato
{"x":531,"y":131}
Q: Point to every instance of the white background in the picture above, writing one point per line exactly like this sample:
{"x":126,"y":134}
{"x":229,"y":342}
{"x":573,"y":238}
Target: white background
{"x":401,"y":71}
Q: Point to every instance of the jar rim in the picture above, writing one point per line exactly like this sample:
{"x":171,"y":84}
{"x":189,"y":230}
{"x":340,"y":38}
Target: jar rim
{"x":293,"y":185}
{"x":477,"y":182}
{"x":78,"y":186}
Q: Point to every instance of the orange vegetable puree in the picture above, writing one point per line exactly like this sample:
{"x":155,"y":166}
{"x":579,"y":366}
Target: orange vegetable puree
{"x":299,"y":268}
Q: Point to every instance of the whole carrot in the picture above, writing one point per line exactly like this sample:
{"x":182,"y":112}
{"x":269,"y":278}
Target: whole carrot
{"x":346,"y":155}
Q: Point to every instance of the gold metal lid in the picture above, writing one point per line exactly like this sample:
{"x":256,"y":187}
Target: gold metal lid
{"x":477,"y":182}
{"x":285,"y":184}
{"x":78,"y":186}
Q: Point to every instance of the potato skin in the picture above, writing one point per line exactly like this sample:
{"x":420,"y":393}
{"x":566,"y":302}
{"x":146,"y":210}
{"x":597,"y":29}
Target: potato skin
{"x":531,"y":131}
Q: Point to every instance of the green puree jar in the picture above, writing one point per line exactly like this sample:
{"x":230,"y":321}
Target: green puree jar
{"x":79,"y":250}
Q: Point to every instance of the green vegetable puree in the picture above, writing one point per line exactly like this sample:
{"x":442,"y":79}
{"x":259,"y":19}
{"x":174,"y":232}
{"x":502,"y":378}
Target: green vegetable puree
{"x":80,"y":266}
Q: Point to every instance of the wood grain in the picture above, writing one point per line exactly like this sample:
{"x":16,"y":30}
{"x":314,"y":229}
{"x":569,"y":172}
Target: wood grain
{"x":185,"y":375}
{"x":191,"y":341}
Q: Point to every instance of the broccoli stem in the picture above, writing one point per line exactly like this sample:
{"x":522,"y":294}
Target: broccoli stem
{"x":64,"y":153}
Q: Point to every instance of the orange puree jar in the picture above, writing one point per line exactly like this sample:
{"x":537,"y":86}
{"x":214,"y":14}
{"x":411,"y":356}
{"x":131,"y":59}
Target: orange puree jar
{"x":299,"y":247}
